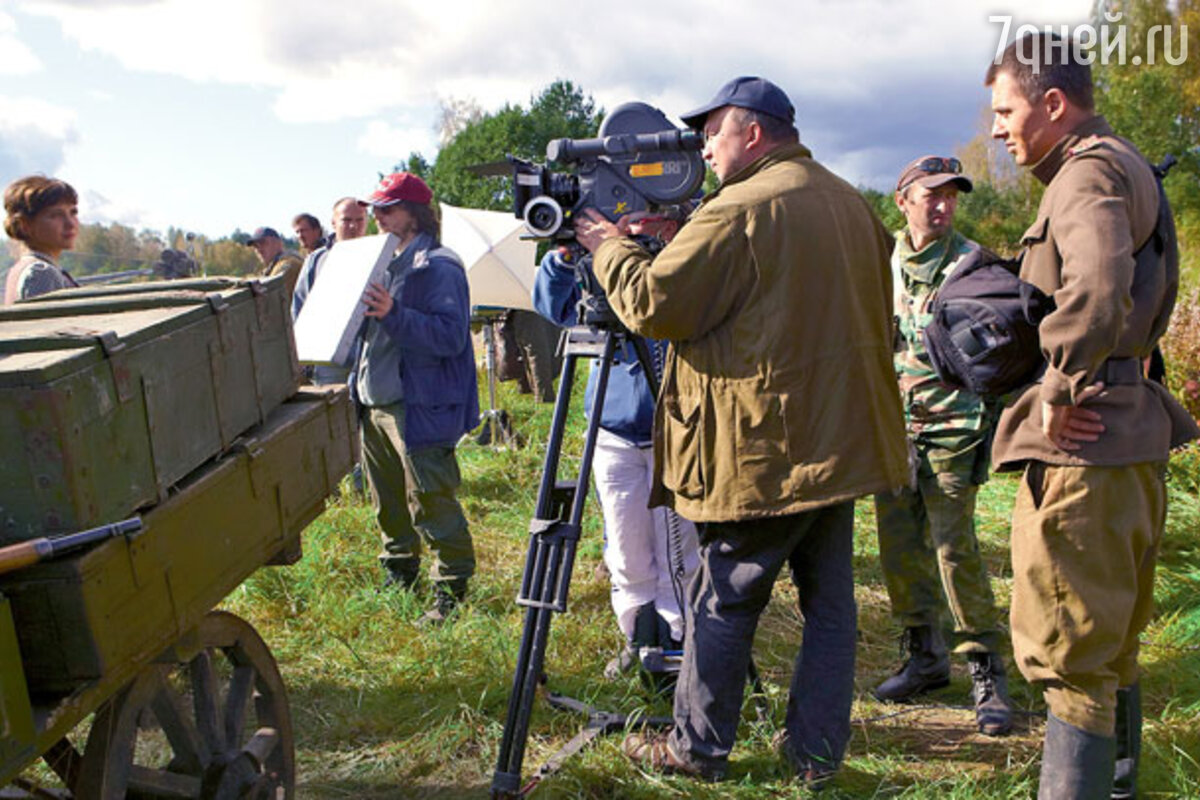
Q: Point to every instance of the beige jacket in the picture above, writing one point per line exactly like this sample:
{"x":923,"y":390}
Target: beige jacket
{"x":779,"y":394}
{"x":1100,"y":207}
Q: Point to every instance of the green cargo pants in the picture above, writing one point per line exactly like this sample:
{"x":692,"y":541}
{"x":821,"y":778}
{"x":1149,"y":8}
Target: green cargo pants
{"x":928,"y":549}
{"x":413,"y":492}
{"x":1084,"y":547}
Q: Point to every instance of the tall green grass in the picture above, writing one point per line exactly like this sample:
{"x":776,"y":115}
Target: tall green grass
{"x":383,"y":708}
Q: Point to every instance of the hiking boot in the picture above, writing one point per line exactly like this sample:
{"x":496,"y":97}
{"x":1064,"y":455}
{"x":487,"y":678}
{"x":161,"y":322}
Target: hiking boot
{"x":1075,"y":764}
{"x":397,"y":578}
{"x":989,"y":692}
{"x":1129,"y":742}
{"x":652,"y":750}
{"x":927,"y":667}
{"x":812,"y":773}
{"x":445,"y":603}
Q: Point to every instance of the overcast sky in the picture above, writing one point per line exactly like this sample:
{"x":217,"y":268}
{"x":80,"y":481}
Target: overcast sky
{"x":212,"y":115}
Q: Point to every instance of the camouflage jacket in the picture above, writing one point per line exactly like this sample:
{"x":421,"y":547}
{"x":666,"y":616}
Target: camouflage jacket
{"x":944,"y":421}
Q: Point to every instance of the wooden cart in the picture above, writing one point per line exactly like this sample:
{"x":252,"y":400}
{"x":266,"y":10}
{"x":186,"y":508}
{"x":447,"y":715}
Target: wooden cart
{"x":178,"y":400}
{"x":184,"y":701}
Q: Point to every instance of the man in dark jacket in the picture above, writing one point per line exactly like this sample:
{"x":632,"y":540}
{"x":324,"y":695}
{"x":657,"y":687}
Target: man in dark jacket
{"x":415,"y":378}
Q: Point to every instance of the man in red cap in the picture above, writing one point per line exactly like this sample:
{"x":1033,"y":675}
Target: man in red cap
{"x":415,"y":379}
{"x":927,"y":544}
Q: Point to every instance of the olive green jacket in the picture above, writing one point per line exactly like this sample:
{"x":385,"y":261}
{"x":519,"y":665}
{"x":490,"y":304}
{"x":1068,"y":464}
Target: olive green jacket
{"x":1100,"y":207}
{"x":288,"y":265}
{"x":779,"y":394}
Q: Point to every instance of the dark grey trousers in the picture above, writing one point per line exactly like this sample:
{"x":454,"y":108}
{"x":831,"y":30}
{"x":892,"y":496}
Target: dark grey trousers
{"x":739,"y":564}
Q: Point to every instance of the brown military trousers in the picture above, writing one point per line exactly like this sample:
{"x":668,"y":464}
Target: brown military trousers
{"x":1084,"y":546}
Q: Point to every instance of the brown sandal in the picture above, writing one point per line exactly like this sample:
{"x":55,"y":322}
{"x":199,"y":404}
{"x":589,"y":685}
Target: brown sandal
{"x":653,"y":751}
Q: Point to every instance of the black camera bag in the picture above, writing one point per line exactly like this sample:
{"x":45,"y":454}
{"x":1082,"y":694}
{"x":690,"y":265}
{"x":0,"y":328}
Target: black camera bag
{"x":983,"y":336}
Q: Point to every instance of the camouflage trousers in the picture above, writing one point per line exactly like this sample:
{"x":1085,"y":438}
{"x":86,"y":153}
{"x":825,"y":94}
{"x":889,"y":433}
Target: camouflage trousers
{"x":413,"y":492}
{"x":930,"y":556}
{"x":1084,"y":548}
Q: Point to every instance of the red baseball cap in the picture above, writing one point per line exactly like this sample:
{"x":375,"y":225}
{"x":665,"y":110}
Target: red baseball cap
{"x":400,"y":186}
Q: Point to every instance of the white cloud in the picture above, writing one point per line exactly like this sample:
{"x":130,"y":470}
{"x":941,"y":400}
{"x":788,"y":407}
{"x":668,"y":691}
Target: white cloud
{"x":15,"y":57}
{"x":34,"y":136}
{"x":95,"y":207}
{"x":394,"y":143}
{"x":327,"y":61}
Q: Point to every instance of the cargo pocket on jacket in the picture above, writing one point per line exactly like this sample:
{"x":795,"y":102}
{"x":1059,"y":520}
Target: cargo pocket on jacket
{"x":682,"y":448}
{"x":761,"y":447}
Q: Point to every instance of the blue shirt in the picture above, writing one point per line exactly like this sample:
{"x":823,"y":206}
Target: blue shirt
{"x":628,"y":404}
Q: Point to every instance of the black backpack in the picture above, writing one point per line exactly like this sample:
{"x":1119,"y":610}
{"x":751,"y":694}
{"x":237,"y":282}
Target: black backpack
{"x":984,"y":332}
{"x":983,"y":335}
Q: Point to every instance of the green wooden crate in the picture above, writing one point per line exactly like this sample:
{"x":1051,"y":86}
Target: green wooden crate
{"x":107,"y":400}
{"x":117,"y":606}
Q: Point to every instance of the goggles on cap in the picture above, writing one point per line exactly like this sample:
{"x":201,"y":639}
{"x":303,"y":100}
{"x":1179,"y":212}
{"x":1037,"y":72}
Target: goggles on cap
{"x":937,"y":166}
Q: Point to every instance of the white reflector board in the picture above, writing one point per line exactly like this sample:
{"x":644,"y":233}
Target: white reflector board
{"x":328,"y":325}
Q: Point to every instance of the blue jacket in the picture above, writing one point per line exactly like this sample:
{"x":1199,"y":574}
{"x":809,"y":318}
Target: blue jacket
{"x":429,"y":325}
{"x":628,"y":405}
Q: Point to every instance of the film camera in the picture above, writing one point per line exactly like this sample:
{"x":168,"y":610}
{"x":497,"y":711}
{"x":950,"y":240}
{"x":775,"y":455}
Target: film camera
{"x":639,"y":161}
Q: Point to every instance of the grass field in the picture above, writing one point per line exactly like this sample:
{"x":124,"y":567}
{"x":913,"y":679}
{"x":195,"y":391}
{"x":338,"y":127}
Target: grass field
{"x":385,"y":709}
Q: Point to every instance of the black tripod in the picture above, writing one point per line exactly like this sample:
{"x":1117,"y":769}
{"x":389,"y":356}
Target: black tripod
{"x":554,"y":535}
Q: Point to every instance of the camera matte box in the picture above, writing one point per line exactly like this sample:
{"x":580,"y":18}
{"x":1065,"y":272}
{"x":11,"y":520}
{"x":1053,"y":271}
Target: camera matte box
{"x":109,"y":397}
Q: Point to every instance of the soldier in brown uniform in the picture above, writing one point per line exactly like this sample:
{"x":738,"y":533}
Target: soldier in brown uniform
{"x":1092,"y":435}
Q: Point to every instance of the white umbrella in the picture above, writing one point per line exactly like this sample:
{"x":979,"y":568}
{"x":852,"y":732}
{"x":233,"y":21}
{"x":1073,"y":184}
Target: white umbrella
{"x":500,"y":264}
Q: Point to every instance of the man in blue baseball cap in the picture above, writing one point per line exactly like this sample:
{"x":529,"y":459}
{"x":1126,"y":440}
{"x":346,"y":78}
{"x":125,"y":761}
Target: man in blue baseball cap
{"x":778,"y":408}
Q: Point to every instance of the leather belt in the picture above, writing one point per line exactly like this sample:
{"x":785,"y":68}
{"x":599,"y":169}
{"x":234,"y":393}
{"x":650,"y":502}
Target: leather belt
{"x":1116,"y":371}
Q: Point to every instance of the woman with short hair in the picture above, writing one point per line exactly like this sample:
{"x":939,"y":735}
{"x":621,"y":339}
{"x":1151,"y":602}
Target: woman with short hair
{"x":43,"y":215}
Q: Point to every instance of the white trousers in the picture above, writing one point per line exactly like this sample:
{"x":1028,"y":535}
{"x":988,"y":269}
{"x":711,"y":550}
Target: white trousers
{"x":637,"y":548}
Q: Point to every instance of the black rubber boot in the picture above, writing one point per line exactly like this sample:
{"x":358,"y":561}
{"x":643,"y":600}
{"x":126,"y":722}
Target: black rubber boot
{"x":927,"y":667}
{"x":989,"y":692}
{"x":1076,"y":765}
{"x":1129,"y":742}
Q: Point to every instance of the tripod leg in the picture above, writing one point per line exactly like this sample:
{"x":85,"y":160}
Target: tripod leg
{"x":548,"y":566}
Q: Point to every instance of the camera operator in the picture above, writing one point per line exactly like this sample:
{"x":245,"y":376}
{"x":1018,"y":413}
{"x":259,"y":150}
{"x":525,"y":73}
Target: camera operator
{"x":642,"y":545}
{"x":778,"y":409}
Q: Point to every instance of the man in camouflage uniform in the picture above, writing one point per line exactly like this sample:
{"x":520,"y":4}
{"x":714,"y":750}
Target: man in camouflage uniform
{"x":928,"y":530}
{"x":1093,"y":435}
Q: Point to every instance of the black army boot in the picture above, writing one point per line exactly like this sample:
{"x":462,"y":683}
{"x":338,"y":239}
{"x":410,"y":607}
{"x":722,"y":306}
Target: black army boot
{"x":927,"y":667}
{"x":1129,"y":742}
{"x":989,"y":692}
{"x":1076,"y":765}
{"x":446,"y":598}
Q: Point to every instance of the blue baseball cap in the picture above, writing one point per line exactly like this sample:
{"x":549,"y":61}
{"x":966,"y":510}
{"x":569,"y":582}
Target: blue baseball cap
{"x":263,"y":233}
{"x":756,"y":94}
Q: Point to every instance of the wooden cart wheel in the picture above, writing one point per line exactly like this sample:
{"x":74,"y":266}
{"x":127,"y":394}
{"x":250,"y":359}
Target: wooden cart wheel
{"x":214,"y":725}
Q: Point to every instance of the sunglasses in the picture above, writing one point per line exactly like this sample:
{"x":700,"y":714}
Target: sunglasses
{"x":935,"y":165}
